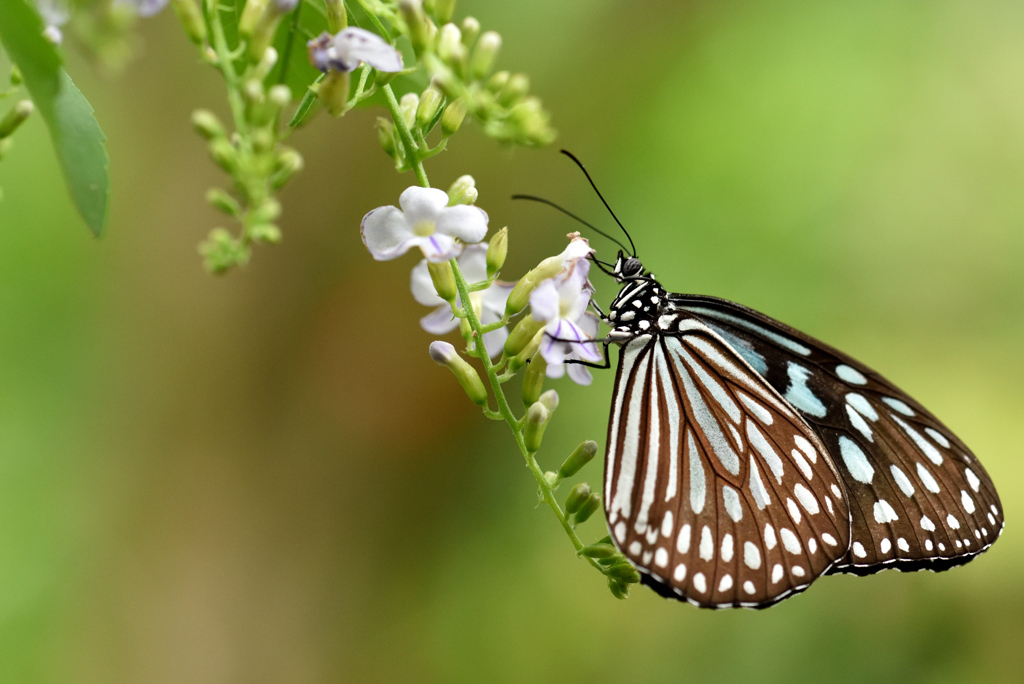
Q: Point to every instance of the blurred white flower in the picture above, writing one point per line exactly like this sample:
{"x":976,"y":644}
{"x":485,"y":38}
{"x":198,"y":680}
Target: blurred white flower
{"x":344,"y":51}
{"x":426,"y":221}
{"x":561,"y":304}
{"x":55,"y":13}
{"x":489,"y":303}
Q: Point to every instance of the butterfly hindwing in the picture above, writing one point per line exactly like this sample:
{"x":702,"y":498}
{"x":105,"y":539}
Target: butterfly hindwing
{"x":715,"y":488}
{"x":919,"y":498}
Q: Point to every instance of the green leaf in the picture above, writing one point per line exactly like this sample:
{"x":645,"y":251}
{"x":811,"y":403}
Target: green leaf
{"x":76,"y":135}
{"x":306,"y":22}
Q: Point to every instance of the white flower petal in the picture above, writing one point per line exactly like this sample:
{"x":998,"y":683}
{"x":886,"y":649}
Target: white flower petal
{"x":587,"y":351}
{"x":386,"y":233}
{"x":494,"y":299}
{"x":354,"y":44}
{"x":423,"y":286}
{"x":578,"y":248}
{"x":555,"y":370}
{"x":494,"y":341}
{"x":589,"y":324}
{"x":438,"y":247}
{"x":440,"y":321}
{"x":464,"y":221}
{"x":579,"y":374}
{"x":473,"y":263}
{"x":544,"y":301}
{"x":421,"y":204}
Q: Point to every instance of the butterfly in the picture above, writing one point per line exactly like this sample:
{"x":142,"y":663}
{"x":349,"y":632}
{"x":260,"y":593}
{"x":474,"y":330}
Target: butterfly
{"x":745,"y":458}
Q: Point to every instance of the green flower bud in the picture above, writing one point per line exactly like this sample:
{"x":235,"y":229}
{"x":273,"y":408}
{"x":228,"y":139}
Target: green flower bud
{"x":551,"y":479}
{"x":588,"y":508}
{"x":426,"y":110}
{"x":288,"y":162}
{"x":265,"y":232}
{"x":336,"y":17}
{"x":484,"y":54}
{"x":223,"y":201}
{"x":191,"y":18}
{"x":444,"y":354}
{"x":518,"y":85}
{"x":263,"y":140}
{"x":453,"y":116}
{"x":625,"y":572}
{"x":444,"y":280}
{"x":224,"y":154}
{"x":528,"y":354}
{"x":523,"y":332}
{"x":598,"y":551}
{"x":207,"y":124}
{"x":618,"y":589}
{"x":520,"y":295}
{"x":462,"y":191}
{"x":579,"y":494}
{"x":497,"y":250}
{"x":5,"y":147}
{"x":549,"y":399}
{"x":530,"y":123}
{"x":267,"y":212}
{"x":443,"y":10}
{"x":578,"y":458}
{"x":450,"y":48}
{"x":253,"y":94}
{"x":280,"y":95}
{"x":16,"y":78}
{"x":221,"y":252}
{"x":537,"y":417}
{"x":470,"y":30}
{"x":251,"y":16}
{"x":498,"y":81}
{"x":266,"y":63}
{"x":386,"y":135}
{"x":408,"y":105}
{"x":333,"y":92}
{"x":533,"y":380}
{"x":19,"y":112}
{"x":419,"y":32}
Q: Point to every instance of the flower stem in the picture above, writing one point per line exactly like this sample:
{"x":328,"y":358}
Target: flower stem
{"x":411,"y":150}
{"x":547,"y":493}
{"x":227,"y":67}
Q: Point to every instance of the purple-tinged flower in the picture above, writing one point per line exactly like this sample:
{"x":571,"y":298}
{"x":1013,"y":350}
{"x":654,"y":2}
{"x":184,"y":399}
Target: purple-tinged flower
{"x":426,"y":221}
{"x":489,"y":304}
{"x":344,"y":51}
{"x":561,"y":304}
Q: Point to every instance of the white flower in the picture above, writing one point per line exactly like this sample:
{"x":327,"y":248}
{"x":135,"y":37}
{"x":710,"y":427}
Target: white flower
{"x":489,"y":303}
{"x":425,"y":221}
{"x":344,"y":51}
{"x":561,"y":304}
{"x":55,"y":13}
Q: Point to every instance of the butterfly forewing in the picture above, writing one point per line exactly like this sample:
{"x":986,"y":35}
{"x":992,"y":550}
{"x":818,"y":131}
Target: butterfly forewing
{"x":918,"y":497}
{"x":715,"y":488}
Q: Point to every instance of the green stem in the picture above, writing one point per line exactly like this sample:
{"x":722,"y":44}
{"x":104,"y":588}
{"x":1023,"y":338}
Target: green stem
{"x":227,"y":67}
{"x":286,"y":57}
{"x":405,"y":134}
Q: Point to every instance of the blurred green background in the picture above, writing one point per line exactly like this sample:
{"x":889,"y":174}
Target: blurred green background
{"x":262,"y":478}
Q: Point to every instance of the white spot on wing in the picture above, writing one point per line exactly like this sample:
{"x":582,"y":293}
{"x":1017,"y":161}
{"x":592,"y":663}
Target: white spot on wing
{"x":748,"y":587}
{"x":903,"y":545}
{"x":635,"y":548}
{"x":727,"y":548}
{"x":666,"y":524}
{"x":923,"y":444}
{"x":829,"y":539}
{"x":862,"y":405}
{"x":902,"y":481}
{"x":802,"y":463}
{"x":967,"y":501}
{"x":759,"y":411}
{"x":927,"y":524}
{"x":859,"y":424}
{"x":777,"y":573}
{"x":789,"y":540}
{"x":799,"y":394}
{"x":806,"y":499}
{"x":661,"y":558}
{"x":757,"y":486}
{"x":885,"y":545}
{"x":851,"y":375}
{"x":806,"y":447}
{"x":697,"y":486}
{"x":898,"y":405}
{"x":700,"y":583}
{"x":939,"y":438}
{"x":972,"y":479}
{"x":926,"y":478}
{"x":751,"y":555}
{"x":769,"y":537}
{"x":707,"y":545}
{"x":855,"y":460}
{"x":679,"y":574}
{"x":683,"y":541}
{"x":762,"y":446}
{"x":884,"y":512}
{"x":858,"y":550}
{"x":952,"y":522}
{"x":725,"y":584}
{"x":794,"y":512}
{"x":732,"y":503}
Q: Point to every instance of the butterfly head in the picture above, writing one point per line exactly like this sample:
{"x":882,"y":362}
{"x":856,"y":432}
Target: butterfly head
{"x":627,"y":268}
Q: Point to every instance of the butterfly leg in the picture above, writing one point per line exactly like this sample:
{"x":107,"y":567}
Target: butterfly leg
{"x":603,"y":366}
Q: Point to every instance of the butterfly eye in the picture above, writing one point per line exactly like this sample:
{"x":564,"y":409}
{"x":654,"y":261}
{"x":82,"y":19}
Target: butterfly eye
{"x":632,"y":267}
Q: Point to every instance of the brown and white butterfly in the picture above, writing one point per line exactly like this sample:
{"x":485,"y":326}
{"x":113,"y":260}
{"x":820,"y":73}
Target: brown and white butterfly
{"x":746,"y":459}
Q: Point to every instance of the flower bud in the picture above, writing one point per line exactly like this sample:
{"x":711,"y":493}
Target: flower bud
{"x":588,"y":508}
{"x":470,"y":30}
{"x":386,"y":135}
{"x":444,"y":354}
{"x":426,"y":111}
{"x":517,"y":362}
{"x":497,"y":250}
{"x":224,"y":154}
{"x":251,"y":16}
{"x":624,"y":571}
{"x":450,"y":48}
{"x":16,"y":78}
{"x":333,"y":92}
{"x":263,"y":140}
{"x":266,"y":63}
{"x":207,"y":124}
{"x":253,"y":94}
{"x":19,"y":112}
{"x":523,"y":332}
{"x":498,"y":81}
{"x":598,"y":551}
{"x":533,"y":379}
{"x":268,"y":211}
{"x":578,"y":458}
{"x":551,"y":478}
{"x":444,"y":280}
{"x":520,"y":295}
{"x":265,"y":232}
{"x":537,"y":417}
{"x":419,"y":32}
{"x":288,"y":162}
{"x":462,"y":191}
{"x":579,"y":494}
{"x":191,"y":18}
{"x":483,"y":56}
{"x":453,"y":116}
{"x":223,"y":201}
{"x":443,"y":10}
{"x":336,"y":17}
{"x":221,"y":251}
{"x":529,"y":123}
{"x":518,"y":85}
{"x":550,"y":400}
{"x":408,"y":105}
{"x":618,"y":589}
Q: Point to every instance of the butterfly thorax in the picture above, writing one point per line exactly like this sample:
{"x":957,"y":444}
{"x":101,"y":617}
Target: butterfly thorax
{"x":637,"y":308}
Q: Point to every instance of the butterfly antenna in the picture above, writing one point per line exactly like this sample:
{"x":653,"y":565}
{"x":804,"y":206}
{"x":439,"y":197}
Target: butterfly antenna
{"x":570,"y":155}
{"x":534,"y":198}
{"x":603,"y":266}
